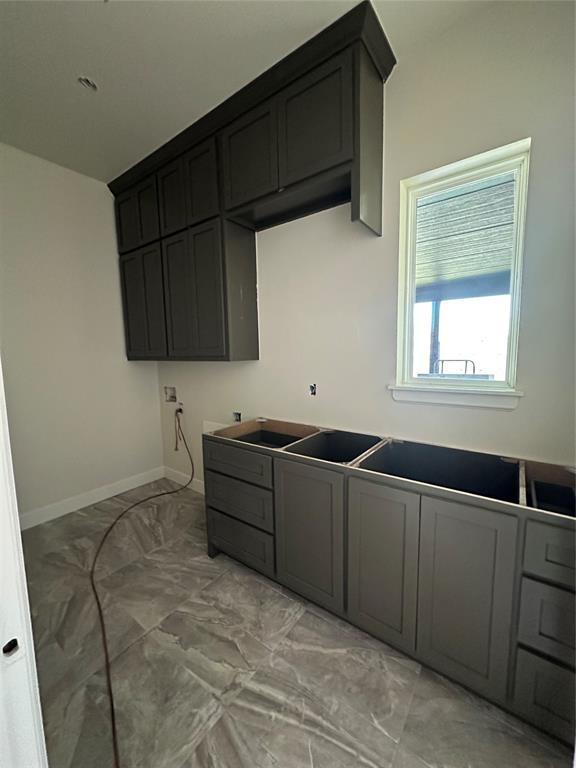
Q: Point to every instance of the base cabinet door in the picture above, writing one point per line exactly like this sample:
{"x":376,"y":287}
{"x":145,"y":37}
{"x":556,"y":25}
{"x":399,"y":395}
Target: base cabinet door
{"x":467,"y":557}
{"x":143,"y":303}
{"x":309,"y":506}
{"x":383,"y":530}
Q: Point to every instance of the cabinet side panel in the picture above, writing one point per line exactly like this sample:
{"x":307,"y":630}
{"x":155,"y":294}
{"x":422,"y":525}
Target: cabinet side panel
{"x":369,"y":143}
{"x":241,"y":292}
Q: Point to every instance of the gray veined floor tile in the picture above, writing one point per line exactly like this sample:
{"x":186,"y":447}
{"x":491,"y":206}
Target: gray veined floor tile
{"x":162,"y":710}
{"x":208,"y":640}
{"x":275,"y":723}
{"x":78,"y":732}
{"x":152,"y":587}
{"x":354,"y":673}
{"x":257,"y":606}
{"x":449,"y":728}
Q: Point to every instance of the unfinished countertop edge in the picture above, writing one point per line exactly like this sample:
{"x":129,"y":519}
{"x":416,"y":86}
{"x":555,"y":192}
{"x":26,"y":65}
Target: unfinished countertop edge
{"x":394,"y":481}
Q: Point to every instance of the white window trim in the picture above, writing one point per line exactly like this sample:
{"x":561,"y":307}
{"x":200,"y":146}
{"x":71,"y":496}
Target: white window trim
{"x":501,"y":394}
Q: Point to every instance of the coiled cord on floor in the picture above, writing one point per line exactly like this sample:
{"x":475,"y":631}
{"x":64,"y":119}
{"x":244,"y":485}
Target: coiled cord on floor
{"x":179,"y":434}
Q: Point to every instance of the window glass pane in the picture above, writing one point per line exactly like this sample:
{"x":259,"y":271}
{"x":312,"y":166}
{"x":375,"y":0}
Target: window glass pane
{"x":464,"y":252}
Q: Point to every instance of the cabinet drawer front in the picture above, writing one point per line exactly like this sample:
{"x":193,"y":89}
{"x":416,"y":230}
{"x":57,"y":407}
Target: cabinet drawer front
{"x":383,"y":527}
{"x":547,"y":620}
{"x":544,"y":694}
{"x":255,"y":548}
{"x":237,"y":462}
{"x":550,"y":552}
{"x":241,"y":500}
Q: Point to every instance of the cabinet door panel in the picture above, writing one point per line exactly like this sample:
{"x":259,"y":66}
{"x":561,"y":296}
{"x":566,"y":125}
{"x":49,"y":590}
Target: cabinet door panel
{"x":250,"y":156}
{"x":316,"y":121}
{"x":201,"y":179}
{"x":137,"y":216}
{"x":467,"y":557}
{"x":179,"y":289}
{"x":383,"y":528}
{"x":143,"y":302}
{"x":172,"y":197}
{"x":205,"y":245}
{"x":195,"y":292}
{"x":309,"y":531}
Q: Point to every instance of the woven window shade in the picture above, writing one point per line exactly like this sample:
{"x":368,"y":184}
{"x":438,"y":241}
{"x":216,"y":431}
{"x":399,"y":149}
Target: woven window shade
{"x":465,"y":233}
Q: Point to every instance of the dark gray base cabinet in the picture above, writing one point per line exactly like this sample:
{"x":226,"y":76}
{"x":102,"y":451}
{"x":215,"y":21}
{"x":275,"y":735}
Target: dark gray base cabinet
{"x":383,"y":530}
{"x":309,"y":509}
{"x":466,"y":586}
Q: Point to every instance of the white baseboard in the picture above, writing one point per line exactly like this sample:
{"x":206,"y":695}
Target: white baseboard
{"x":182,"y":478}
{"x":57,"y":509}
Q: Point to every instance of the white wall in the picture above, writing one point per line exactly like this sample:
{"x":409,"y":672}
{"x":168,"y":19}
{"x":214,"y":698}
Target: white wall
{"x":328,"y":288}
{"x":81,"y":417}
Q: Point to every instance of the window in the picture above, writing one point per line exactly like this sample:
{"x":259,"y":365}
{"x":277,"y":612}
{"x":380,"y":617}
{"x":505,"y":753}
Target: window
{"x":461,"y":236}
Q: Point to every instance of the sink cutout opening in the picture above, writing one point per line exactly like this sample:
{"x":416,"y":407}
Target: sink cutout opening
{"x":551,"y":488}
{"x":267,"y":439}
{"x":478,"y":473}
{"x":337,"y":447}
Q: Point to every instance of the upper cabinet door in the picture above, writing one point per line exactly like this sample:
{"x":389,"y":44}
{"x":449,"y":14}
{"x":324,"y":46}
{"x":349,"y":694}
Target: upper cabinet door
{"x":143,"y":302}
{"x":315,"y":118}
{"x":172,"y":197}
{"x":179,"y":292}
{"x":137,"y":216}
{"x":250,"y":156}
{"x":466,"y":579}
{"x":194,"y":293}
{"x":208,"y":289}
{"x":383,"y":532}
{"x":201,"y":179}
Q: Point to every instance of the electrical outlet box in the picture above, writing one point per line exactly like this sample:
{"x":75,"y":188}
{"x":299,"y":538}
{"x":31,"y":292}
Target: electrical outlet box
{"x":312,"y":389}
{"x":170,"y":395}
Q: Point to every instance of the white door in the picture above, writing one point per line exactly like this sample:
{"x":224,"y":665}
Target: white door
{"x":21,"y":734}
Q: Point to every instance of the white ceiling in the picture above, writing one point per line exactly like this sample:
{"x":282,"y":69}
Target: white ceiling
{"x":159,"y":66}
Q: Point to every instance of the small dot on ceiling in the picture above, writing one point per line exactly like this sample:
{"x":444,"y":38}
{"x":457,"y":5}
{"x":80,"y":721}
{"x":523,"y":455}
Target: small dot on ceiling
{"x":87,"y":83}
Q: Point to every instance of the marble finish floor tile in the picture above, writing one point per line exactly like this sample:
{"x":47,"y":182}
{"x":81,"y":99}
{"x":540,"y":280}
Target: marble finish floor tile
{"x":215,"y":666}
{"x":447,"y":727}
{"x":254,"y":603}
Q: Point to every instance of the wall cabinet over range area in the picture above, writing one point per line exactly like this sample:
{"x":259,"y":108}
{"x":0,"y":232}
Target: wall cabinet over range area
{"x":480,"y":589}
{"x":306,"y":135}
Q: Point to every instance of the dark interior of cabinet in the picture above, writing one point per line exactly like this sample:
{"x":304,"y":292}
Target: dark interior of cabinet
{"x":467,"y":471}
{"x":316,"y":194}
{"x":267,"y":438}
{"x":553,"y":497}
{"x":339,"y":447}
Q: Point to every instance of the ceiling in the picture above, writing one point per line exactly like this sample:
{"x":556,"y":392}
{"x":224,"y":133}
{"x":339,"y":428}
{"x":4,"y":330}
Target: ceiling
{"x":159,"y":66}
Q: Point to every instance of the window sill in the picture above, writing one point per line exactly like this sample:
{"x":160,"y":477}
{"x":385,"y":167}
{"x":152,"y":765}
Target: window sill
{"x":504,"y":399}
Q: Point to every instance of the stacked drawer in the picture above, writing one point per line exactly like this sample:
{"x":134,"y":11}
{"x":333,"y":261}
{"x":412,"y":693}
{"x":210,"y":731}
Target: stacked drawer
{"x":240,"y":504}
{"x":544,"y":683}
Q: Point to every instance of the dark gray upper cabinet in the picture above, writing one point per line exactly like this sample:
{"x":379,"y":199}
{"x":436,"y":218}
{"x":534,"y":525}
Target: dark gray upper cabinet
{"x":383,"y":530}
{"x":210,"y":293}
{"x":172,"y":197}
{"x":315,"y":120}
{"x":201,"y":182}
{"x":466,"y":580}
{"x":143,"y":302}
{"x":137,"y":215}
{"x":250,"y":156}
{"x":195,"y":292}
{"x":309,"y":507}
